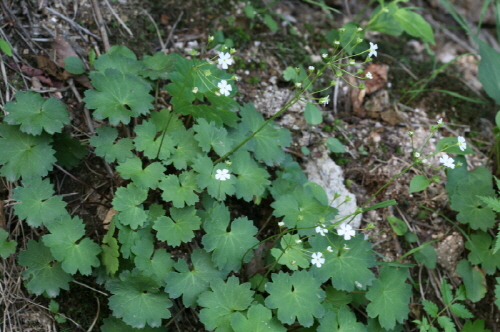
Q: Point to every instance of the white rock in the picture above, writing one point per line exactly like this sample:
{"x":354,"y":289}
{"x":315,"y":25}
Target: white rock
{"x":330,"y":176}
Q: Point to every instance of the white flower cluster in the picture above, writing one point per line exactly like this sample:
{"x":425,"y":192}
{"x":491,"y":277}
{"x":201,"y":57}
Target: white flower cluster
{"x":345,"y":229}
{"x":447,"y":160}
{"x":225,"y":60}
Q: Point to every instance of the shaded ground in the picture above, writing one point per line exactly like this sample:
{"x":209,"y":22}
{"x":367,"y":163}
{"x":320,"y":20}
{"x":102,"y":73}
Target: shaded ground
{"x":372,"y":124}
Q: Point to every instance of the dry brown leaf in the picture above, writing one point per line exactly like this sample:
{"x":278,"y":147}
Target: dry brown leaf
{"x":379,"y":80}
{"x":62,"y":50}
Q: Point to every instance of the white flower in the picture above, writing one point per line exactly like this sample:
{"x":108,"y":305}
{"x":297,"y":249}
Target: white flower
{"x":311,"y":68}
{"x":447,"y":161}
{"x":360,"y":29}
{"x":225,"y":60}
{"x":369,"y":75}
{"x":417,"y":155}
{"x":224,"y":88}
{"x":321,"y":230}
{"x":298,"y":85}
{"x":210,"y":38}
{"x":298,"y":241}
{"x":281,"y":224}
{"x":461,"y":143}
{"x":336,"y":42}
{"x":317,"y":259}
{"x":325,"y":100}
{"x":195,"y":89}
{"x":347,"y":231}
{"x":222,"y":174}
{"x":324,"y":55}
{"x":329,"y":249}
{"x":373,"y":49}
{"x":440,"y":121}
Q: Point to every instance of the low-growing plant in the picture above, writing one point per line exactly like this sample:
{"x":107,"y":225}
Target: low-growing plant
{"x":193,"y":176}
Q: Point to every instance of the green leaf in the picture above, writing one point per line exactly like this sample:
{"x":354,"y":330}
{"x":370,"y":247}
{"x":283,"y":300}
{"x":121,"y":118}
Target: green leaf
{"x":426,"y":255}
{"x":148,"y":177}
{"x":482,"y":253}
{"x":349,"y":263}
{"x":313,"y":115}
{"x":24,"y":155}
{"x":191,"y":283}
{"x":384,"y":21}
{"x":182,"y":85}
{"x":431,"y":308}
{"x":292,"y":252}
{"x":446,"y":292}
{"x":159,"y":65}
{"x":223,"y":110}
{"x":297,"y":296}
{"x":419,"y":183}
{"x":398,"y":226}
{"x":37,"y":204}
{"x":128,"y":200}
{"x":221,"y":303}
{"x":414,"y":24}
{"x":179,"y":228}
{"x":249,"y":11}
{"x":138,"y":300}
{"x":489,"y":70}
{"x":120,"y":58}
{"x":206,"y":178}
{"x":449,"y":145}
{"x":106,"y":148}
{"x":7,"y":248}
{"x":153,"y":263}
{"x":186,"y":149}
{"x":180,"y":191}
{"x":153,"y":147}
{"x":492,"y":202}
{"x":45,"y":275}
{"x":474,"y":280}
{"x":118,"y":96}
{"x":461,"y":311}
{"x":209,"y":135}
{"x":268,"y":143}
{"x":129,"y":237}
{"x":342,"y":320}
{"x":35,"y":113}
{"x":336,"y":299}
{"x":302,"y":210}
{"x":110,"y":251}
{"x":258,"y":319}
{"x":230,"y":248}
{"x":472,"y":210}
{"x":113,"y":324}
{"x":62,"y":241}
{"x":446,"y":324}
{"x":389,"y":296}
{"x":474,"y":326}
{"x":271,"y":23}
{"x":497,"y":292}
{"x":69,"y":151}
{"x":74,"y":65}
{"x":334,"y":145}
{"x":252,"y":179}
{"x":5,"y":47}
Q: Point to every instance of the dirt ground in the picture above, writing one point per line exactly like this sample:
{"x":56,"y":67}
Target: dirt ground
{"x":373,"y":123}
